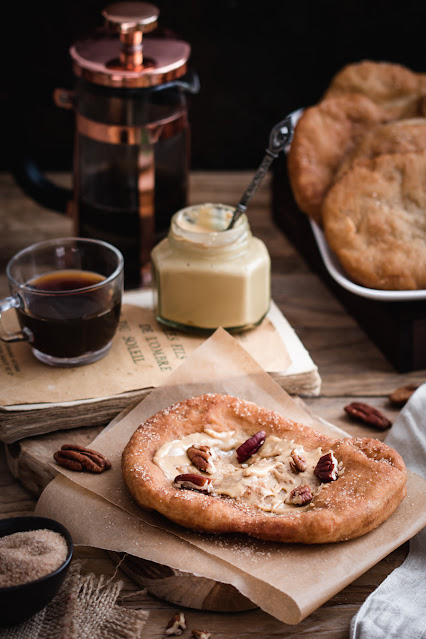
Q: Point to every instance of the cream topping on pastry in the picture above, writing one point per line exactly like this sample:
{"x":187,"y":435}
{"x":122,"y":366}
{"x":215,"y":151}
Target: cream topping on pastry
{"x":265,"y":481}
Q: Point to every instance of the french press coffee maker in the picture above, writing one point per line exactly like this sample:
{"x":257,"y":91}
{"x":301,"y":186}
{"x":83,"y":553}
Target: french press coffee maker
{"x":131,"y":150}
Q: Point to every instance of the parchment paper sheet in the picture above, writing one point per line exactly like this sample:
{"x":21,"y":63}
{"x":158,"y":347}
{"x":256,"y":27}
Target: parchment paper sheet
{"x":288,"y":581}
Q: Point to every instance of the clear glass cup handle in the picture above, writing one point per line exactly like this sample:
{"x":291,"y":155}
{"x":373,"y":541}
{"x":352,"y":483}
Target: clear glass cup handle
{"x":8,"y":336}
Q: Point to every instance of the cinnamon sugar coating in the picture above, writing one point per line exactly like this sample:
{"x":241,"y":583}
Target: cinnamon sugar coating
{"x":369,"y":487}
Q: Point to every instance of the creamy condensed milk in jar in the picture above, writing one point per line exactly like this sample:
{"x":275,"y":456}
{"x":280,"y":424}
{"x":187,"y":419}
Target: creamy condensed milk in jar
{"x":206,"y":275}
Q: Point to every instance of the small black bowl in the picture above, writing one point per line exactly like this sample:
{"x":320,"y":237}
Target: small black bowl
{"x":19,"y":603}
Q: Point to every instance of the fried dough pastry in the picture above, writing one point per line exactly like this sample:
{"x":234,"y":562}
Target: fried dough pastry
{"x":375,"y":221}
{"x":220,"y":464}
{"x":391,"y":86}
{"x":400,"y":136}
{"x":324,"y":135}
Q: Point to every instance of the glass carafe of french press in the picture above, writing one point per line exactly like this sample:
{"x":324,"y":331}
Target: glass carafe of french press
{"x":131,"y":151}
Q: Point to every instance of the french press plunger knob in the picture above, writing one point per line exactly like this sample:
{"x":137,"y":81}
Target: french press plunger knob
{"x":131,"y":20}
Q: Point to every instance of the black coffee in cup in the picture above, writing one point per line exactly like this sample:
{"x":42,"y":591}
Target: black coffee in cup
{"x":68,"y":315}
{"x":67,"y":295}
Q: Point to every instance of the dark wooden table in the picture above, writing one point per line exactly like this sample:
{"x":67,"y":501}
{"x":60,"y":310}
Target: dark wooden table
{"x":351,"y":367}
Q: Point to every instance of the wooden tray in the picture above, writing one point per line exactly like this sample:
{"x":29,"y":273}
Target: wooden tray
{"x":397,"y":328}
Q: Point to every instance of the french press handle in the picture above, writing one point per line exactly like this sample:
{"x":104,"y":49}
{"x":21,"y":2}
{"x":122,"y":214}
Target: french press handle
{"x":131,"y":20}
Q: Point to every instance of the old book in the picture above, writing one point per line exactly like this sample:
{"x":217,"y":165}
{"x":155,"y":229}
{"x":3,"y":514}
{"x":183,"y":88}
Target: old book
{"x":37,"y":399}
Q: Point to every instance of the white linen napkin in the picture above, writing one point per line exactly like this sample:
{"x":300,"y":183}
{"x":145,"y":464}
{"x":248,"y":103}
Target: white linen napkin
{"x":397,"y":608}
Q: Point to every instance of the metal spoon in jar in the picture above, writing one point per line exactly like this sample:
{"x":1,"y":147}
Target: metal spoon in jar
{"x":279,"y":138}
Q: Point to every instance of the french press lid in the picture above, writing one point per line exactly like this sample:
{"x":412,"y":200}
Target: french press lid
{"x":130,"y":60}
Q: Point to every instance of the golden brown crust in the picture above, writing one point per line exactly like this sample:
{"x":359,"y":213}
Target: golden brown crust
{"x":399,"y":136}
{"x":356,"y":166}
{"x":324,"y":135}
{"x":374,"y":220}
{"x":367,"y":492}
{"x":391,"y":86}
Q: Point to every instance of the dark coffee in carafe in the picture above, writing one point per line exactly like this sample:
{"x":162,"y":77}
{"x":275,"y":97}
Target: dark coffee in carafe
{"x":131,"y":145}
{"x":128,"y":192}
{"x":131,"y":149}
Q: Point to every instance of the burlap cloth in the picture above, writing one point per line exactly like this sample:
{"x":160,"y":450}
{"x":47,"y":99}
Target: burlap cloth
{"x":85,"y":607}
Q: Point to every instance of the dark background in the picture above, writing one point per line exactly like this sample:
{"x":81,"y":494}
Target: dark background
{"x":256,"y":61}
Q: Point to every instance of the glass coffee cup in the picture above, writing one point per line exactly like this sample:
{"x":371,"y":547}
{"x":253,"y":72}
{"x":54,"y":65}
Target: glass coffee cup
{"x":67,"y":297}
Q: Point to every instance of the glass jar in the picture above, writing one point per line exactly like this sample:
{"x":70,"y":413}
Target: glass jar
{"x":206,"y":275}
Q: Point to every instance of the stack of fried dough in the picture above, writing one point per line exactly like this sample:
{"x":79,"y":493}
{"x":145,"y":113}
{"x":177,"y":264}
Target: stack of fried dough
{"x":357,"y":166}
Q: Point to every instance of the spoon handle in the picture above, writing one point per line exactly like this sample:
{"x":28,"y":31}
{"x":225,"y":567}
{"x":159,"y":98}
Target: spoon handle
{"x":279,"y":137}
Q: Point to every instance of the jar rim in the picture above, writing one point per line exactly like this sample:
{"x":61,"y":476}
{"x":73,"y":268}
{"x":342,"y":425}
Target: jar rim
{"x":207,"y":224}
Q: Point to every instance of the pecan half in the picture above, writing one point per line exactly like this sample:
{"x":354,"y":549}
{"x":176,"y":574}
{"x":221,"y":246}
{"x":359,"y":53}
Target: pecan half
{"x":201,"y":457}
{"x":200,"y":634}
{"x":401,"y":395}
{"x":250,"y":446}
{"x":79,"y":458}
{"x":297,"y":463}
{"x":176,"y":625}
{"x":194,"y":482}
{"x":300,"y":496}
{"x":368,"y":415}
{"x":327,"y":468}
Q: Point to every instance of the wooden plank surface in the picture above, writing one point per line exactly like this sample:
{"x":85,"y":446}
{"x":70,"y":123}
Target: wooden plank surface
{"x":350,"y":366}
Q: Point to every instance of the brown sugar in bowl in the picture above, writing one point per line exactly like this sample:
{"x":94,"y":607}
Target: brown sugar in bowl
{"x":22,"y":601}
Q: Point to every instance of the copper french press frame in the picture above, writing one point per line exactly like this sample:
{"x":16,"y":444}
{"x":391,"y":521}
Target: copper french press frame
{"x":131,"y":20}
